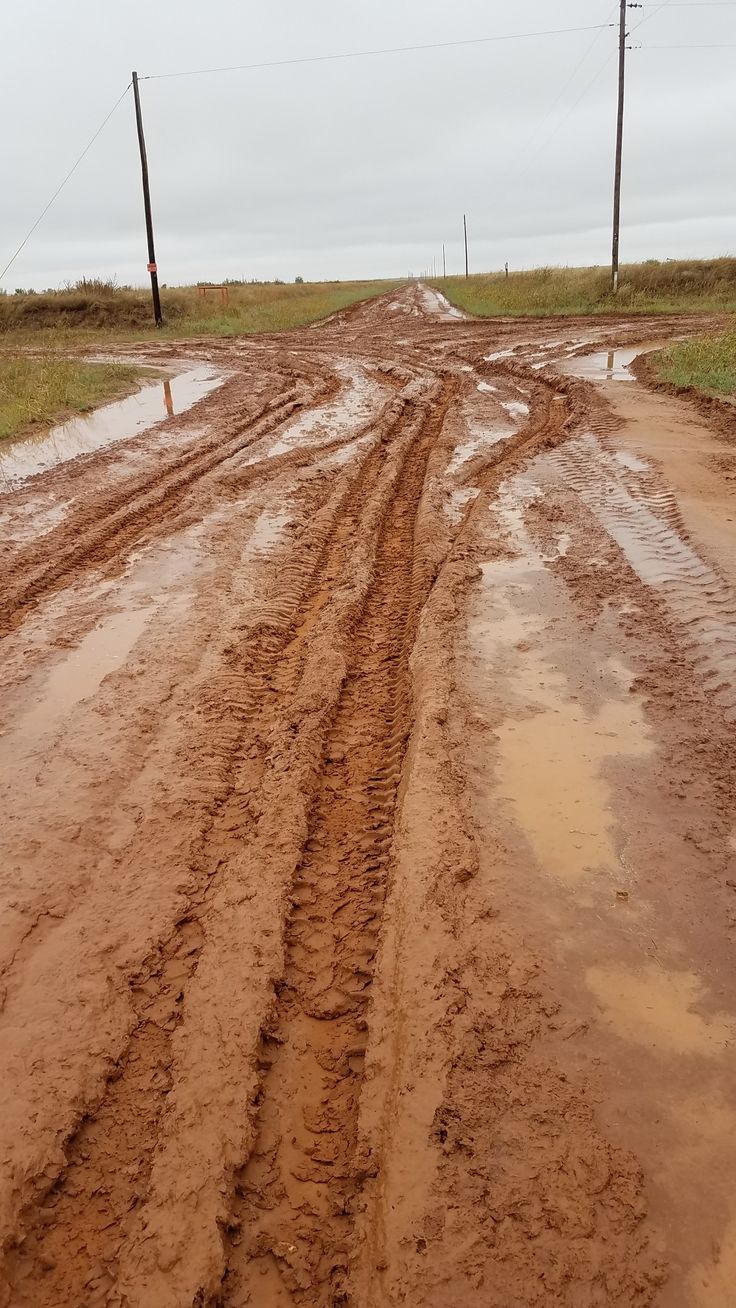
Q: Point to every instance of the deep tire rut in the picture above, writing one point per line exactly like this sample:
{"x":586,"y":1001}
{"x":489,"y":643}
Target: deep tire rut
{"x":119,"y":521}
{"x":291,"y":1233}
{"x":87,"y":1209}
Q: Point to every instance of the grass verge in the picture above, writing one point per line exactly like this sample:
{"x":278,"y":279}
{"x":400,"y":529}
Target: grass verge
{"x":46,"y":390}
{"x":707,"y":285}
{"x":96,"y":309}
{"x":707,"y":363}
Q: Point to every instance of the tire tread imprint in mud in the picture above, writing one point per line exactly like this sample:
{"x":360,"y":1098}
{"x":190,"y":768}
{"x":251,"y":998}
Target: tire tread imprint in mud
{"x":292,"y":1224}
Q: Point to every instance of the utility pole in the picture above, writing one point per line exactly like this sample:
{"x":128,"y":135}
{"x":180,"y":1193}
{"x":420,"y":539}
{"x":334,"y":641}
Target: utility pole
{"x":444,"y":263}
{"x":147,"y":206}
{"x":465,"y":233}
{"x":622,"y":37}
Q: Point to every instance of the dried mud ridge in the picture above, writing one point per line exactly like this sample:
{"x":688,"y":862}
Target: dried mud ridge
{"x":250,"y":1188}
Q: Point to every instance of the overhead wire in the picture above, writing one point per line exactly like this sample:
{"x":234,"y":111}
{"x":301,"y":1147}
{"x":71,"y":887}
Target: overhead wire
{"x":369,"y":54}
{"x":648,"y":17}
{"x":529,"y":158}
{"x":569,"y":81}
{"x":62,"y":184}
{"x":597,"y":28}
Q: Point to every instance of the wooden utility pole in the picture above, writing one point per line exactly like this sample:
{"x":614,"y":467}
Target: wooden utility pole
{"x":619,"y":145}
{"x":147,"y":206}
{"x":444,"y":263}
{"x":465,"y":233}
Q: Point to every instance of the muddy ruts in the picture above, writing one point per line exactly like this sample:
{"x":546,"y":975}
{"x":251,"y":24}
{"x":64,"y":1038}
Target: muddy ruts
{"x":122,"y":517}
{"x":82,"y":1240}
{"x":291,"y":1227}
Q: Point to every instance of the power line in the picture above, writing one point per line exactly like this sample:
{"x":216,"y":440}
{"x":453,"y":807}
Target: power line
{"x":368,"y":54}
{"x":561,"y":93}
{"x":648,"y":17}
{"x":60,"y":188}
{"x":529,"y":160}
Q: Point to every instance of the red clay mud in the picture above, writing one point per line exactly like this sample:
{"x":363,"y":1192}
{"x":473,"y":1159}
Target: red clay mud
{"x":368,"y":876}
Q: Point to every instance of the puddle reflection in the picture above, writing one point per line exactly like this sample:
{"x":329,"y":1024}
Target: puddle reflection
{"x":30,"y":455}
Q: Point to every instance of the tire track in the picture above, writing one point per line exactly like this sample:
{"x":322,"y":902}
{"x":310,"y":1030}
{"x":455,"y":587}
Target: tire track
{"x":294,"y":737}
{"x":644,"y":521}
{"x":77,"y":1230}
{"x":291,"y":1228}
{"x":102,"y":530}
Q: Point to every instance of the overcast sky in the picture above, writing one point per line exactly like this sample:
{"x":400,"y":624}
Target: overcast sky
{"x":362,"y":167}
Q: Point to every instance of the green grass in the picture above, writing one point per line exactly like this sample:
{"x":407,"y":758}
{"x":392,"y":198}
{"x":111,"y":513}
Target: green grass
{"x":94,"y":309}
{"x":708,"y":363}
{"x":44,"y":390}
{"x":707,"y":285}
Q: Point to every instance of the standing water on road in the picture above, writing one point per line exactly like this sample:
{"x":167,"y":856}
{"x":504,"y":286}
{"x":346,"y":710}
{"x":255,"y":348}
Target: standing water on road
{"x":29,"y":455}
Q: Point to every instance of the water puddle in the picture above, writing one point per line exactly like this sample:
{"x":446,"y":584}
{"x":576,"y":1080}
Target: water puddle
{"x":516,"y":408}
{"x":500,"y":354}
{"x":550,"y":767}
{"x":609,"y":365}
{"x":631,"y":462}
{"x":30,"y":455}
{"x":102,"y":651}
{"x":267,"y":531}
{"x":483,"y":438}
{"x":562,"y":546}
{"x":486,"y":386}
{"x":657,"y":1009}
{"x":37,"y":517}
{"x":436,"y":303}
{"x":551,"y":750}
{"x":458,"y":502}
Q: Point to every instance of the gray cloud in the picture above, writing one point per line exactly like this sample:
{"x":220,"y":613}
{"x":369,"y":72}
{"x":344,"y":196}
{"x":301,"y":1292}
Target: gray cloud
{"x":362,"y":167}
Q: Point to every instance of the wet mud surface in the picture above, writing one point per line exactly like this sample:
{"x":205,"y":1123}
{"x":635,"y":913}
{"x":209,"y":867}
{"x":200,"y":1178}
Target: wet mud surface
{"x":369,"y":863}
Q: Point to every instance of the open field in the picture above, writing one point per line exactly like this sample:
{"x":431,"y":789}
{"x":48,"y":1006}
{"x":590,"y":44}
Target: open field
{"x":97,"y":308}
{"x":653,"y":287}
{"x":367,"y":887}
{"x":44,"y":390}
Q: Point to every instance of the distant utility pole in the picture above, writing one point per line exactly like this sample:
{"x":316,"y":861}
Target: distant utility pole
{"x":147,"y":205}
{"x":465,"y":233}
{"x":622,"y":36}
{"x":444,"y":263}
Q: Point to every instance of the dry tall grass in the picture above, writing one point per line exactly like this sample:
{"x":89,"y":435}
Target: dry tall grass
{"x":94,"y":306}
{"x":651,"y":287}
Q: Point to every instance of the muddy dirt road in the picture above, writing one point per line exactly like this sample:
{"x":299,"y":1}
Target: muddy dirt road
{"x":368,"y":886}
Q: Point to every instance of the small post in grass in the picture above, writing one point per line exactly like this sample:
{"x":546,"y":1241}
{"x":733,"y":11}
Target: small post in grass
{"x":147,"y":206}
